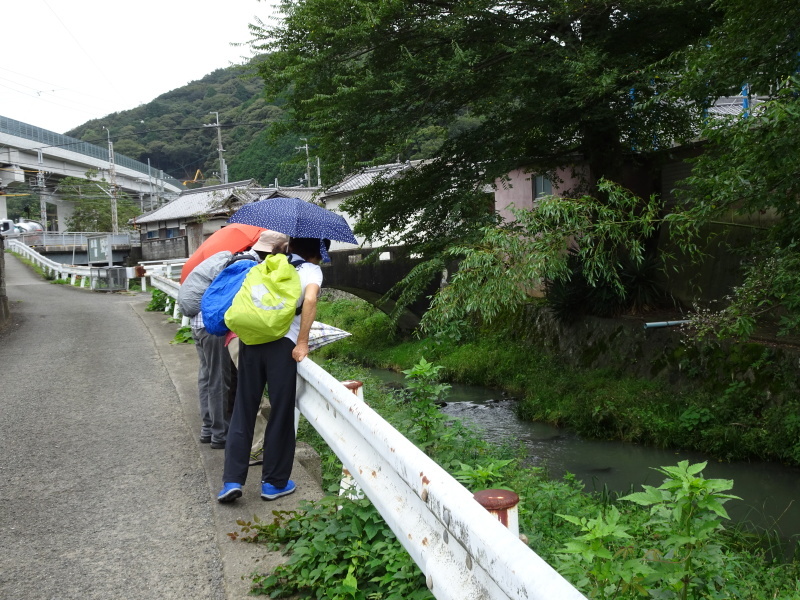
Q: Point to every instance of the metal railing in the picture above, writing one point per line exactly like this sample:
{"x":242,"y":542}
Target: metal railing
{"x":464,"y":552}
{"x":78,"y":238}
{"x":51,"y":267}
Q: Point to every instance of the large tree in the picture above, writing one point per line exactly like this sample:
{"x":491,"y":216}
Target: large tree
{"x":751,"y":162}
{"x":548,"y":83}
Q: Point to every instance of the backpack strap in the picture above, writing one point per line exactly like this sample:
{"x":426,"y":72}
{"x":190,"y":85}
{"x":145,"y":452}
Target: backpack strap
{"x":240,"y":256}
{"x":295,"y":264}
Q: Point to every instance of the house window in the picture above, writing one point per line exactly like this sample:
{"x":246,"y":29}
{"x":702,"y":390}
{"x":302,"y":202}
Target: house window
{"x":172,"y":232}
{"x":152,"y":235}
{"x":542,"y":186}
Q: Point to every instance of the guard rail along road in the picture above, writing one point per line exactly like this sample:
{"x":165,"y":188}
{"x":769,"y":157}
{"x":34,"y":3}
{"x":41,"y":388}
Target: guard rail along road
{"x":464,"y":551}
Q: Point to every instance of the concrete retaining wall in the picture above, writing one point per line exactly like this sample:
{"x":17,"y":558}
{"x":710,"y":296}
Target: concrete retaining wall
{"x":164,"y":249}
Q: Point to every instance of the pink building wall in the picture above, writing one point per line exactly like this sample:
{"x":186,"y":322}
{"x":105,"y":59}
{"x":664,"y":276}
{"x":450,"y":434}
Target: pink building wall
{"x":517,"y":190}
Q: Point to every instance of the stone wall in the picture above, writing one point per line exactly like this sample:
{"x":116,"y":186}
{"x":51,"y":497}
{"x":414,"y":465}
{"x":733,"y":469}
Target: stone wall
{"x":5,"y":314}
{"x":164,"y":249}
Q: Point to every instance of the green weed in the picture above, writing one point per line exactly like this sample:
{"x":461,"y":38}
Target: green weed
{"x":183,"y":336}
{"x":158,"y":301}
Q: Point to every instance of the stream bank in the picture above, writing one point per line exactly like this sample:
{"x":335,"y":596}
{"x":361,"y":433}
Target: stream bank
{"x":768,"y":491}
{"x":733,"y":402}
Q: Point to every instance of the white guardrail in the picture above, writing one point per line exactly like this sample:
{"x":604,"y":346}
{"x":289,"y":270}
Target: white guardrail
{"x":51,"y":267}
{"x":463,"y":550}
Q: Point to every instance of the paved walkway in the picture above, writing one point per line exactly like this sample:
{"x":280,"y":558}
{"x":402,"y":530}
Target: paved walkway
{"x":105,"y":491}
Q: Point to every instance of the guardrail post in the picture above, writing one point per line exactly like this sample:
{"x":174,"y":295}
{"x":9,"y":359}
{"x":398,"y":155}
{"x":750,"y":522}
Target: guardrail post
{"x":348,"y":486}
{"x":503,"y":505}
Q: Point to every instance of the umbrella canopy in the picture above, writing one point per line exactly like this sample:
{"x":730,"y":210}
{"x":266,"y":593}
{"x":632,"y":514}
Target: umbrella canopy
{"x":233,"y":238}
{"x":296,"y":218}
{"x":322,"y":334}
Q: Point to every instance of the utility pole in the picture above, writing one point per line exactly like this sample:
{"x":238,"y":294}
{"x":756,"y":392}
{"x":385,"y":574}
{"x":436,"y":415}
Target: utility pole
{"x":308,"y":162}
{"x":150,"y":181}
{"x":41,"y":185}
{"x":223,"y":168}
{"x":113,"y":175}
{"x":319,"y":175}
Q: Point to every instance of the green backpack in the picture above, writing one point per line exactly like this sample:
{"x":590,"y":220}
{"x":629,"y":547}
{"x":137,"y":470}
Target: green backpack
{"x":263,"y":309}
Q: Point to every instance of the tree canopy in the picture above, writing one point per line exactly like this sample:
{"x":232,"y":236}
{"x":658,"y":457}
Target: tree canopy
{"x":493,"y":86}
{"x":548,"y":84}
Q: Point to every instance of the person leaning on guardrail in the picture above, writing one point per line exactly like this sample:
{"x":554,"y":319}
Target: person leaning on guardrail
{"x":273,"y":364}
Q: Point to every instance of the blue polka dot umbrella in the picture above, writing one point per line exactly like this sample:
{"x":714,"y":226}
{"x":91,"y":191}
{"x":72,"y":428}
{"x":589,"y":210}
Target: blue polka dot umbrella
{"x":295,"y":218}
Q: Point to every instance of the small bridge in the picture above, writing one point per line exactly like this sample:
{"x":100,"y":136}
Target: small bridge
{"x":371,"y":280}
{"x":73,"y":248}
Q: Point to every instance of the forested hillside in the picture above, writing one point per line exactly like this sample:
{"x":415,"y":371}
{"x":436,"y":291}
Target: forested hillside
{"x":172,"y":131}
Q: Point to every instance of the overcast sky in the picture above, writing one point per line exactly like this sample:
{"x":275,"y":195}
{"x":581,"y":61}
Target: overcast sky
{"x":68,"y":61}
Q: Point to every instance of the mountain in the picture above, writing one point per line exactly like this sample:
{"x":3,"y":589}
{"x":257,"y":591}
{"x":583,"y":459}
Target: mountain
{"x":174,"y":133}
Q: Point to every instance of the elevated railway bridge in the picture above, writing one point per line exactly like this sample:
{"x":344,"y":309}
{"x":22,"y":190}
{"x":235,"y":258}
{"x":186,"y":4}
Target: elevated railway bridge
{"x":41,"y":159}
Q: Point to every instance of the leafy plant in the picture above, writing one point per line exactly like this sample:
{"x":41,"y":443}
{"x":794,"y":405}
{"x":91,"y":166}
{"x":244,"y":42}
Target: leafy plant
{"x":693,"y":418}
{"x":592,"y":564}
{"x":686,"y":553}
{"x":482,"y":476}
{"x":425,"y":392}
{"x":340,"y":549}
{"x":679,"y":553}
{"x":158,"y":301}
{"x":183,"y":336}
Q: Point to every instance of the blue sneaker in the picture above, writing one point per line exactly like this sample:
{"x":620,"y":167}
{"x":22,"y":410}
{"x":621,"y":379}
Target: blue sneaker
{"x":270,"y":492}
{"x":230,"y":492}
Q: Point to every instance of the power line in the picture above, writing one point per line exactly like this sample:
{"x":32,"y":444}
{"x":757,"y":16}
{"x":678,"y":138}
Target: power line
{"x":89,"y":56}
{"x":42,"y":99}
{"x":48,"y":83}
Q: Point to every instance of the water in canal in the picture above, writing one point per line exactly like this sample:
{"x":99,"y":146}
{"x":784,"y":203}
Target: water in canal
{"x":770,"y":492}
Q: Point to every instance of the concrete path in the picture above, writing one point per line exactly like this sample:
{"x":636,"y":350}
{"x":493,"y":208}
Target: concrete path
{"x":105,"y":491}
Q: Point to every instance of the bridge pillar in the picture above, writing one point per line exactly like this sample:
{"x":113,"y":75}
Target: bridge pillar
{"x":64,"y":209}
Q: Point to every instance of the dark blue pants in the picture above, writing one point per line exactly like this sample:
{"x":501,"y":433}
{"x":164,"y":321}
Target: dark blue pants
{"x":259,"y":365}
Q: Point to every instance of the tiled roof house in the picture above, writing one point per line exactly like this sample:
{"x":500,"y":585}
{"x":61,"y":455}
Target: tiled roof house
{"x":176,"y":229}
{"x":352,"y":184}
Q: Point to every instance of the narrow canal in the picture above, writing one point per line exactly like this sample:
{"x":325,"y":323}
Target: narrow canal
{"x":770,"y":492}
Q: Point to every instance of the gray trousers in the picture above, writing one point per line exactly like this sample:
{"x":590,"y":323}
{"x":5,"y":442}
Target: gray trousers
{"x":213,"y":382}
